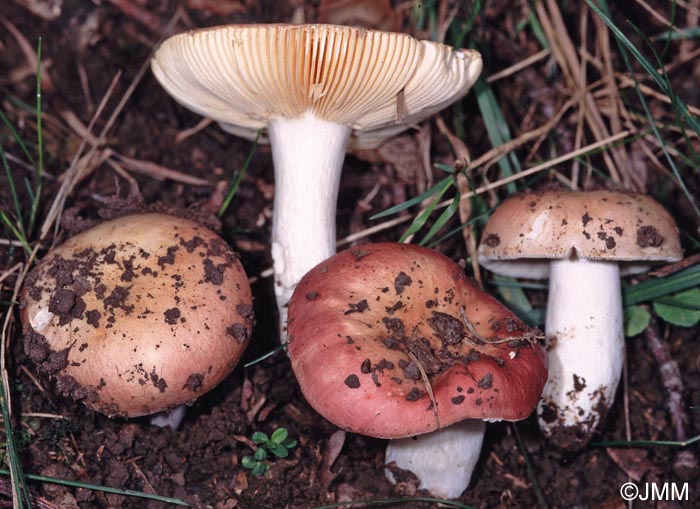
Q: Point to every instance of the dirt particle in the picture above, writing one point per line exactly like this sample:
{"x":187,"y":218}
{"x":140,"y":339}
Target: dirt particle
{"x":410,"y":370}
{"x":239,"y":332}
{"x":172,"y":315}
{"x":366,"y":366}
{"x":393,"y":309}
{"x":213,"y":273}
{"x":447,"y":328}
{"x":486,"y":381}
{"x":492,"y":240}
{"x":93,"y":318}
{"x":194,"y":382}
{"x":169,"y":258}
{"x":457,"y":400}
{"x":38,"y":350}
{"x":401,"y":281}
{"x":245,"y":311}
{"x":648,"y":236}
{"x":359,"y":254}
{"x":311,"y":295}
{"x":414,"y":395}
{"x":579,"y":383}
{"x":357,"y":307}
{"x":352,"y":381}
{"x":586,"y":218}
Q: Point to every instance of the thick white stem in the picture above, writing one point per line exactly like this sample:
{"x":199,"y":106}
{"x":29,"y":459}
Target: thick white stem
{"x":443,"y":460}
{"x":585,"y":340}
{"x":308,"y":156}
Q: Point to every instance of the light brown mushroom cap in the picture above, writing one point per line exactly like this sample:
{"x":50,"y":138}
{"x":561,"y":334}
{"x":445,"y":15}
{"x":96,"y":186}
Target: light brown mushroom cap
{"x":526,"y":231}
{"x":378,"y":83}
{"x":138,"y":314}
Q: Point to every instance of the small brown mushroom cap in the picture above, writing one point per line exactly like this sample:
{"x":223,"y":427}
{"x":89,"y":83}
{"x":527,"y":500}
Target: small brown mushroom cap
{"x":378,"y":83}
{"x":366,"y":322}
{"x":138,"y":314}
{"x":526,"y":231}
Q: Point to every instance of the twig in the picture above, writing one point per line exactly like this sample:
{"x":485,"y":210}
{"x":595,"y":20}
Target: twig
{"x":685,"y":464}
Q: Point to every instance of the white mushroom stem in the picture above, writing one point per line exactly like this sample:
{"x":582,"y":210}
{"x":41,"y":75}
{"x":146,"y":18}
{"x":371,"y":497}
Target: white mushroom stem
{"x":169,"y":418}
{"x":308,"y":156}
{"x":585,"y":340}
{"x":443,"y":460}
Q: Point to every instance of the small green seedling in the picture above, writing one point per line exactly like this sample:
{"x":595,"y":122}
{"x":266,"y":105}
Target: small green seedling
{"x":278,"y":445}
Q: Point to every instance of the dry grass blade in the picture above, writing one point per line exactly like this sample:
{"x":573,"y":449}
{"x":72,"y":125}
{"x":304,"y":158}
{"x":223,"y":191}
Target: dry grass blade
{"x":566,"y":56}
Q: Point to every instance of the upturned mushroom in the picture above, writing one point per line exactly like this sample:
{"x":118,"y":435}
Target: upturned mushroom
{"x":137,"y":315}
{"x":583,"y":242}
{"x":314,"y":88}
{"x":393,"y":341}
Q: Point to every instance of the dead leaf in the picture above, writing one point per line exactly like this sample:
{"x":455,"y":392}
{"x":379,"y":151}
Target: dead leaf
{"x":632,"y":462}
{"x":331,"y":451}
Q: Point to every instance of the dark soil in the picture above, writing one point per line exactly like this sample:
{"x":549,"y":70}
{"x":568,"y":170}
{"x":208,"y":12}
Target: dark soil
{"x":89,"y":44}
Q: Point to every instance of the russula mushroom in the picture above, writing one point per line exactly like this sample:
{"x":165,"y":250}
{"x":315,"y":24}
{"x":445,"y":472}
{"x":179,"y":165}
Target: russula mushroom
{"x":393,"y":340}
{"x":583,"y":242}
{"x":314,"y":88}
{"x":137,"y":315}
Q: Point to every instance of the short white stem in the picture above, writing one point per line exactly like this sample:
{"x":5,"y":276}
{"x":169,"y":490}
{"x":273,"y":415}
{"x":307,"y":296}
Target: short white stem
{"x":585,"y":340}
{"x":169,"y":418}
{"x":443,"y":460}
{"x":308,"y":156}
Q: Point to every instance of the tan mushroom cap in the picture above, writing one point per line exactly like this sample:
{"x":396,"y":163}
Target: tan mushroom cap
{"x":138,"y":314}
{"x":378,"y":83}
{"x":527,"y":230}
{"x":362,"y":322}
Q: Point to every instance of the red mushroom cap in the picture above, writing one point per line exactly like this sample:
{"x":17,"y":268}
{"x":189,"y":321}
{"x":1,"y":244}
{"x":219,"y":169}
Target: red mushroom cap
{"x":367,"y":326}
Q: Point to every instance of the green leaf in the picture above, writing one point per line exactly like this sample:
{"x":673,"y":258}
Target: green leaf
{"x":681,"y":312}
{"x":248,"y":462}
{"x":259,"y":469}
{"x":279,"y":435}
{"x":636,"y":320}
{"x":260,"y":438}
{"x":290,"y":443}
{"x":280,"y":451}
{"x":260,"y":454}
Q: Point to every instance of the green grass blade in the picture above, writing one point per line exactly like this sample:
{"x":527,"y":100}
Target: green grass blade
{"x":236,"y":182}
{"x":39,"y":167}
{"x":458,"y":34}
{"x":16,"y":231}
{"x":678,"y":34}
{"x":17,"y":138}
{"x":645,"y":443}
{"x":104,"y":489}
{"x":413,"y":201}
{"x":421,"y":218}
{"x":20,"y":492}
{"x":654,"y":288}
{"x":441,"y":220}
{"x":497,"y":129}
{"x":13,"y":193}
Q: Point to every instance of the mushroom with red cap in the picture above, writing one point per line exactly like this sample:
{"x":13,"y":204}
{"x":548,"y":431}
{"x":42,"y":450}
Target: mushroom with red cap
{"x":393,"y":340}
{"x":583,"y":242}
{"x":138,"y":314}
{"x":314,"y":88}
